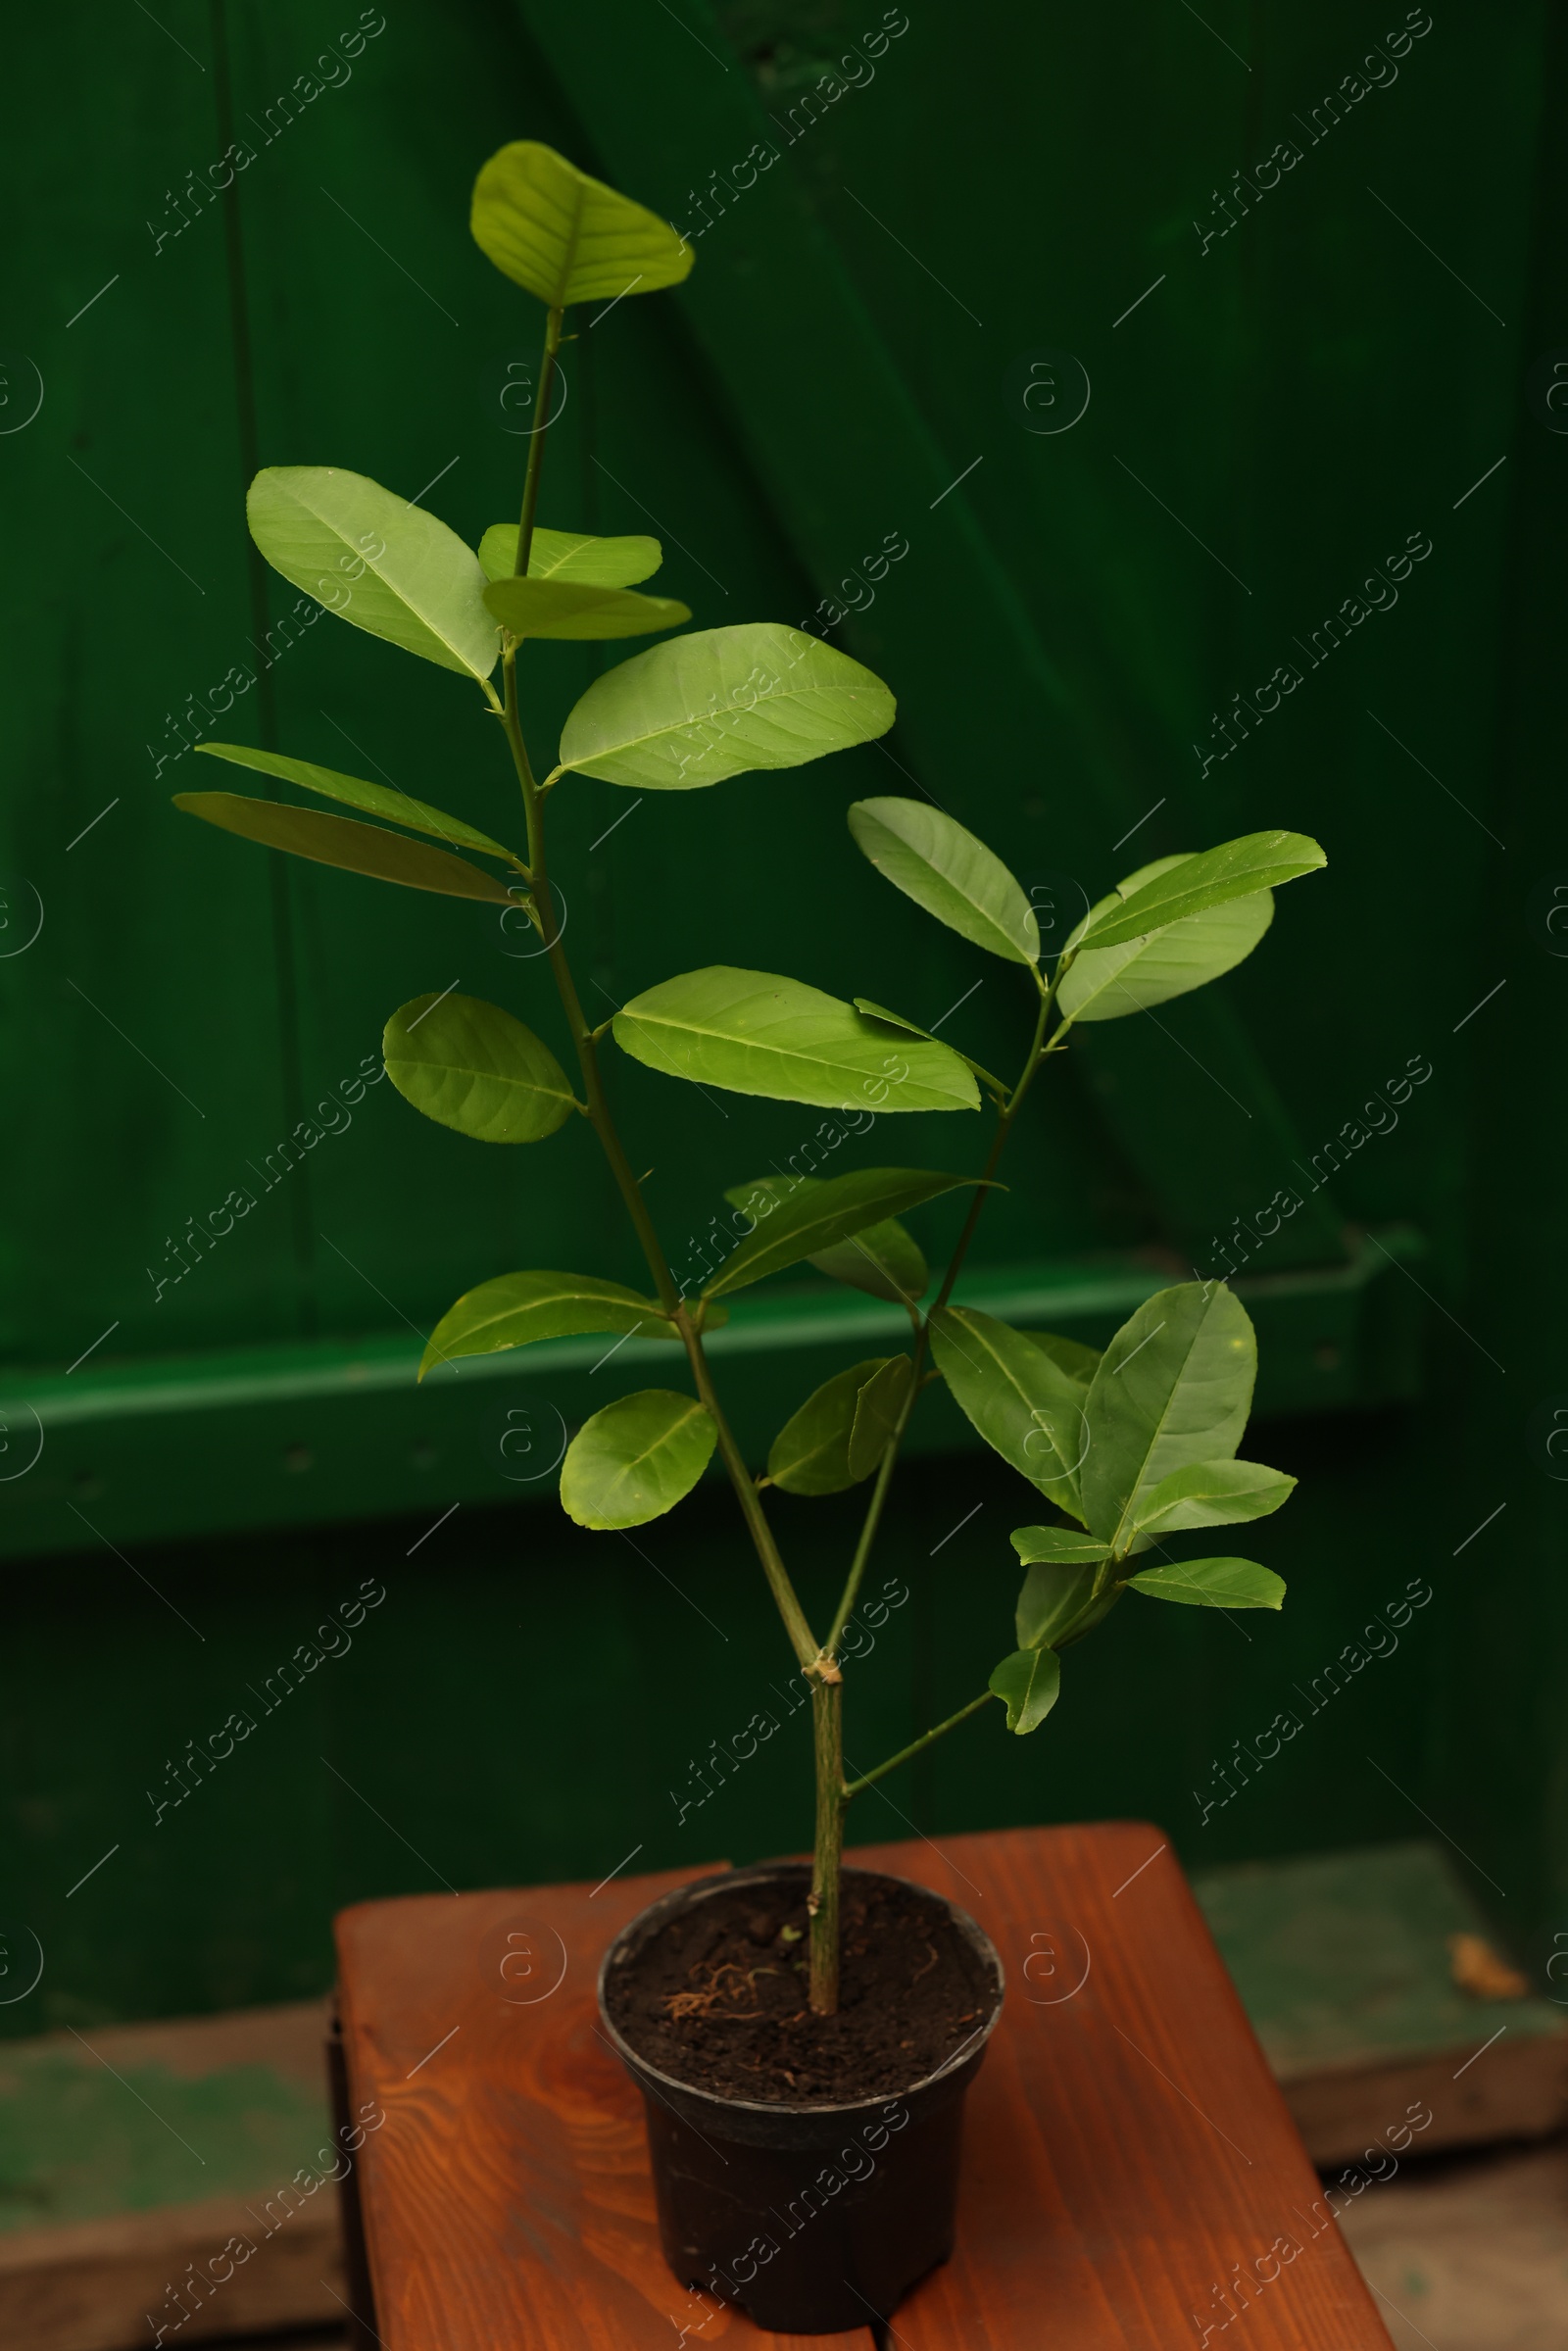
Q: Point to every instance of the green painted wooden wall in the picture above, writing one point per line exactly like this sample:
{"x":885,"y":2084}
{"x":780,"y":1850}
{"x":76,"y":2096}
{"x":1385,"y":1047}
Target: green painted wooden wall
{"x":1286,"y":387}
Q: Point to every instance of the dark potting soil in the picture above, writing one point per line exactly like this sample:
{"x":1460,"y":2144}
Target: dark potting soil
{"x":718,"y":1997}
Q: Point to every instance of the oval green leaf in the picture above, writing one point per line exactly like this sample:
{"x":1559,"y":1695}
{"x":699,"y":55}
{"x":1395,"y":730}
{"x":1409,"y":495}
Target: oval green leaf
{"x":378,"y":799}
{"x":1058,"y":1546}
{"x":1030,"y":1683}
{"x":576,"y":609}
{"x":882,"y":1259}
{"x":565,"y":237}
{"x":376,"y":561}
{"x":719,"y":701}
{"x":1174,"y":1388}
{"x":815,"y":1215}
{"x":1213,"y":1584}
{"x":1190,"y":885}
{"x":518,"y":1308}
{"x":1107,"y":983}
{"x":340,"y":840}
{"x":1025,"y":1406}
{"x":469,"y":1065}
{"x":636,"y":1459}
{"x":1057,"y":1606}
{"x":810,"y":1454}
{"x":751,"y":1032}
{"x":878,"y":1409}
{"x":1211,"y":1493}
{"x":569,"y":555}
{"x":946,"y":871}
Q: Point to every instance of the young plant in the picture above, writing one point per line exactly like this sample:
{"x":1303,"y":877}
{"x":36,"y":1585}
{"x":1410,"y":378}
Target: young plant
{"x":1128,"y":1447}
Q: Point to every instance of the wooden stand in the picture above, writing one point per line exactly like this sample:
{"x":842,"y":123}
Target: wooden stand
{"x":1132,"y":2177}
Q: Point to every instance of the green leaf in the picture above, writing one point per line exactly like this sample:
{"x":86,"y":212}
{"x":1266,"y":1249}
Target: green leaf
{"x":569,"y":608}
{"x":882,"y":1258}
{"x":338,"y":841}
{"x":950,"y":873}
{"x":375,"y":561}
{"x":722,"y":701}
{"x":1107,"y":983}
{"x":815,"y":1215}
{"x":1055,"y":1605}
{"x":894,"y":1020}
{"x":750,"y":1032}
{"x":1174,"y":1388}
{"x":636,"y":1459}
{"x":1213,"y":1584}
{"x":1079,"y":1363}
{"x":877,"y":1410}
{"x":1211,"y":1493}
{"x":569,"y":555}
{"x":1024,"y":1405}
{"x":565,"y":237}
{"x":1060,"y":1547}
{"x":1256,"y":861}
{"x":517,"y":1309}
{"x":1030,"y":1682}
{"x":378,"y":799}
{"x":469,"y":1065}
{"x":810,"y":1454}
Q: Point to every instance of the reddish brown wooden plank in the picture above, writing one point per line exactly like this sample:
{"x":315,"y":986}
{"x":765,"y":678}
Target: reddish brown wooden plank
{"x":1126,"y":2143}
{"x":507,"y":2197}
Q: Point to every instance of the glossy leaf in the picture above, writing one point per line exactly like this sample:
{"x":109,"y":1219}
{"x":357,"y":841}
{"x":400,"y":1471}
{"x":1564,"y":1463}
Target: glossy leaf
{"x":517,"y":1309}
{"x":882,"y":1259}
{"x":1256,"y":861}
{"x":378,"y":799}
{"x":1024,"y":1405}
{"x":569,"y":555}
{"x":569,"y":607}
{"x":815,"y":1215}
{"x":1079,"y":1363}
{"x":1062,"y":1546}
{"x":1213,"y":1584}
{"x":340,"y":840}
{"x":719,"y":701}
{"x":1107,"y":983}
{"x":877,"y":1412}
{"x":469,"y":1065}
{"x":946,"y":871}
{"x":750,"y":1032}
{"x":1174,"y":1388}
{"x":1030,"y":1683}
{"x":1054,"y":1603}
{"x":636,"y":1459}
{"x":810,"y":1454}
{"x":1211,"y":1493}
{"x":565,"y":237}
{"x":375,"y":561}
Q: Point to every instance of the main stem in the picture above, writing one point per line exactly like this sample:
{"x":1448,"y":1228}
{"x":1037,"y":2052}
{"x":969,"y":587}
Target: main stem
{"x":803,"y":1640}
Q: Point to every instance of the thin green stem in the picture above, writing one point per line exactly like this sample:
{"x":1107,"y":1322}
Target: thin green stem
{"x":869,"y":1778}
{"x":536,"y":447}
{"x":822,"y":1903}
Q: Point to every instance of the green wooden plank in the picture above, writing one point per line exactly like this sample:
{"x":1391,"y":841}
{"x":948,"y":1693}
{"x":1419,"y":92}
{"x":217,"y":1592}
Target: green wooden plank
{"x":137,"y":1453}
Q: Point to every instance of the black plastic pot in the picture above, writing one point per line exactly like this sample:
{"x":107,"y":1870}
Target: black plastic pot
{"x":812,"y":2219}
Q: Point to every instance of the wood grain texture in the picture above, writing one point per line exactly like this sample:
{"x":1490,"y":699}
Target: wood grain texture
{"x":1126,"y":2145}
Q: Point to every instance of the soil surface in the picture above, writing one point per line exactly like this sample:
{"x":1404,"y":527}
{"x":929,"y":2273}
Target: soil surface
{"x":719,"y":1998}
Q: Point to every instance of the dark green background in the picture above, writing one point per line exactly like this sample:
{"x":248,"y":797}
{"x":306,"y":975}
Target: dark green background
{"x":1276,"y":416}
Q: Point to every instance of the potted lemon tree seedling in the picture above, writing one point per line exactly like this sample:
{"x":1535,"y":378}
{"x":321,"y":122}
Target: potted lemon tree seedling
{"x":803,"y":2035}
